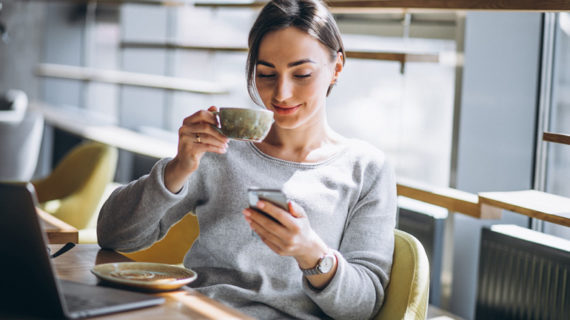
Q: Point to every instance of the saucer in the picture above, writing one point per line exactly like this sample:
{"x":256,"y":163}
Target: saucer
{"x":145,"y":275}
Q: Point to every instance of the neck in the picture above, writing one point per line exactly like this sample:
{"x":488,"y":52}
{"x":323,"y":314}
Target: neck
{"x":310,"y":143}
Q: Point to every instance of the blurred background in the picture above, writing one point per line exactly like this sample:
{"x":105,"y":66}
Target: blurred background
{"x":455,"y":98}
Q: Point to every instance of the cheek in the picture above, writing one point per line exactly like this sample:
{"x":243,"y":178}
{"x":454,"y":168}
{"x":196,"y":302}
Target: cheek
{"x":308,"y":92}
{"x":264,"y":91}
{"x":317,"y":89}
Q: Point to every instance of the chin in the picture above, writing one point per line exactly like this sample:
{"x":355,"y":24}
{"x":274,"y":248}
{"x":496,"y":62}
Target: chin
{"x":286,"y":123}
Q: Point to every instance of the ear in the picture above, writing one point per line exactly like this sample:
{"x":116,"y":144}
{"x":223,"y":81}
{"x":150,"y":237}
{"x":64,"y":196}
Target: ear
{"x":337,"y":67}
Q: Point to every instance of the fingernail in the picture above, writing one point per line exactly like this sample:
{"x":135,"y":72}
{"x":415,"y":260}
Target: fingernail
{"x":260,"y":205}
{"x":246,"y":213}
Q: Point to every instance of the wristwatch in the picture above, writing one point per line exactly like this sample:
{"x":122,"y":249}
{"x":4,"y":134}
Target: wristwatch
{"x":324,"y":265}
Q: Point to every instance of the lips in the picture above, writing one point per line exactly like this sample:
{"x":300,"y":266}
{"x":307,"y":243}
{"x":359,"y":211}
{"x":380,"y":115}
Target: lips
{"x":285,"y":110}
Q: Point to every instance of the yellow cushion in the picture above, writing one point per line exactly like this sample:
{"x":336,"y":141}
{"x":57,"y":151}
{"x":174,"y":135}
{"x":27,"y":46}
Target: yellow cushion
{"x":172,"y":248}
{"x":408,"y":291}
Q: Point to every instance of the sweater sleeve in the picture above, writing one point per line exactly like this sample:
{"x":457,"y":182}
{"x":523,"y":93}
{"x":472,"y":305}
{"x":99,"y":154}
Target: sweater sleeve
{"x":365,"y":254}
{"x":140,"y":213}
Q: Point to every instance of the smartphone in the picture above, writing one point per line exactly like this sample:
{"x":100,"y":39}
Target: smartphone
{"x":275,"y":196}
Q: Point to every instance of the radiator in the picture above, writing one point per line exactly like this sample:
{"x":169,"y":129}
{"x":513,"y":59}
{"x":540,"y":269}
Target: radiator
{"x":523,"y":274}
{"x":425,"y":222}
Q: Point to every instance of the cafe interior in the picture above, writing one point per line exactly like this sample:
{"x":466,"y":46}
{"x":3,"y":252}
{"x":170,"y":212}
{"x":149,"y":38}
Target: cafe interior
{"x":470,"y":100}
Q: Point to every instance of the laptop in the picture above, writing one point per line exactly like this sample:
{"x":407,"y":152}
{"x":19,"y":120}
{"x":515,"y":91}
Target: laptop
{"x":29,"y":285}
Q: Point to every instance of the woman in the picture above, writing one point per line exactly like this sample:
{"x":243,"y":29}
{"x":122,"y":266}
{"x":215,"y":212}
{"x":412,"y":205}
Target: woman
{"x":328,"y":256}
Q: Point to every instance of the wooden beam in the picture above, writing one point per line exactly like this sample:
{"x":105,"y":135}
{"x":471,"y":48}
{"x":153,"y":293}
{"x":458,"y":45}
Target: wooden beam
{"x":169,"y":45}
{"x":370,"y":6}
{"x":452,"y":199}
{"x":511,"y":5}
{"x":402,"y":57}
{"x":556,"y":137}
{"x":532,"y":203}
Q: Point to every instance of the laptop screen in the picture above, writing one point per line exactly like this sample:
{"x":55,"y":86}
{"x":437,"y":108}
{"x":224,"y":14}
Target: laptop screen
{"x":26,"y":273}
{"x":27,"y":278}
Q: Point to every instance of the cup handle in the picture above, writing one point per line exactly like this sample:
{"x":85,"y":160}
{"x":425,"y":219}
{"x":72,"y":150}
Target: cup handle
{"x":218,"y":125}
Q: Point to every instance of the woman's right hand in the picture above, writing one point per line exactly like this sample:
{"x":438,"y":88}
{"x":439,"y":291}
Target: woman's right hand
{"x":196,"y":136}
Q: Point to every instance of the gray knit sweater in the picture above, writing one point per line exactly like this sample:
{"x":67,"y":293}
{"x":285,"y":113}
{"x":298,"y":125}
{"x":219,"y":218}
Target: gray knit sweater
{"x":350,"y":200}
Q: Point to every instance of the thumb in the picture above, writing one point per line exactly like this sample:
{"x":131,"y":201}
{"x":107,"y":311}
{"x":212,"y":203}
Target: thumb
{"x":295,"y":210}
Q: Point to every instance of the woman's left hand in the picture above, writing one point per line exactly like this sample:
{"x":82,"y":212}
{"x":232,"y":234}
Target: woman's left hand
{"x":291,"y":236}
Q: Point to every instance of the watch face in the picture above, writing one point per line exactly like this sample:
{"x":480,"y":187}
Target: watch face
{"x":326,"y":264}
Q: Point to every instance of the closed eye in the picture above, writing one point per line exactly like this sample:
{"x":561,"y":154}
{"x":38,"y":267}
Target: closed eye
{"x":303,"y":75}
{"x":261,"y":75}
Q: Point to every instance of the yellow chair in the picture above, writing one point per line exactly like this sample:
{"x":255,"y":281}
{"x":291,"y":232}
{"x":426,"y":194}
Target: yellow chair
{"x":172,"y":248}
{"x":406,"y":295}
{"x":408,"y":291}
{"x":73,"y":190}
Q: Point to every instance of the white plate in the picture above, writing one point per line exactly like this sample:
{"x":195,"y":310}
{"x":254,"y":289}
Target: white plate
{"x":145,"y":275}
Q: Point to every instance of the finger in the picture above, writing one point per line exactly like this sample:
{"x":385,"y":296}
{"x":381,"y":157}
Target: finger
{"x":195,"y":150}
{"x":190,"y":134}
{"x":296,"y":210}
{"x":206,"y":139}
{"x":273,"y":247}
{"x":202,"y":127}
{"x":211,"y":130}
{"x":278,"y":213}
{"x":260,"y":217}
{"x":266,"y":222}
{"x":279,"y":234}
{"x":274,"y":242}
{"x":188,"y":146}
{"x":200,"y":116}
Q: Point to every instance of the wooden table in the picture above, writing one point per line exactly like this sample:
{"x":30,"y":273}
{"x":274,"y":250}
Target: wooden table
{"x":452,"y":199}
{"x":57,"y":231}
{"x":532,"y":203}
{"x":75,"y":265}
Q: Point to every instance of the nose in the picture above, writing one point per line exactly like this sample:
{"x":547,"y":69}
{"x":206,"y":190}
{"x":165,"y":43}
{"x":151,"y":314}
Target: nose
{"x":283,"y":89}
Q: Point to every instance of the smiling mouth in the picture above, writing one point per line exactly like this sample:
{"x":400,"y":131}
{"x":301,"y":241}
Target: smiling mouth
{"x":284,"y":110}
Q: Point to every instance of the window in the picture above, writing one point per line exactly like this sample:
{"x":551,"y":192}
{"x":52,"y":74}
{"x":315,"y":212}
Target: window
{"x":558,"y":163}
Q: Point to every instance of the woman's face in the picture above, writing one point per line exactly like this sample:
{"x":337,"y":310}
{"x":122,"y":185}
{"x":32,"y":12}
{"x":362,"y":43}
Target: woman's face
{"x":293,"y":74}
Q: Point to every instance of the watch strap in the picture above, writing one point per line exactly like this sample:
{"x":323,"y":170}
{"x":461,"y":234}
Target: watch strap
{"x":317,"y":269}
{"x":311,"y":271}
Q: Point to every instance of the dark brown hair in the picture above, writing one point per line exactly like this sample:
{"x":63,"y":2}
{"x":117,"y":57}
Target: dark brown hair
{"x":310,"y":16}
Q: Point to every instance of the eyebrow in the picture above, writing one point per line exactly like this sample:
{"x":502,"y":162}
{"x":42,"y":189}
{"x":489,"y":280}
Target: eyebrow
{"x":290,"y":64}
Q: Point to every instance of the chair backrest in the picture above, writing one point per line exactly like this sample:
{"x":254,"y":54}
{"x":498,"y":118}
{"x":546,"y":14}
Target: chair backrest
{"x":173,"y":247}
{"x":78,"y":182}
{"x":408,"y":291}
